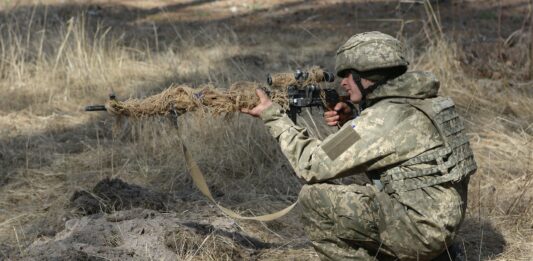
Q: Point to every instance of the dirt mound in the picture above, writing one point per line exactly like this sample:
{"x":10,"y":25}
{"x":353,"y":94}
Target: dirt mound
{"x":142,"y":234}
{"x":123,"y":235}
{"x":114,"y":194}
{"x":59,"y":252}
{"x":121,"y":221}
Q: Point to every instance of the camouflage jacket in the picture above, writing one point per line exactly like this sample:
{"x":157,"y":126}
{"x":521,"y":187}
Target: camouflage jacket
{"x":387,"y":133}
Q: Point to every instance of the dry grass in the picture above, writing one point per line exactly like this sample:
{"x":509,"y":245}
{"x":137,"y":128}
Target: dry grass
{"x":50,"y":68}
{"x":500,"y":194}
{"x":499,"y":117}
{"x":49,"y":148}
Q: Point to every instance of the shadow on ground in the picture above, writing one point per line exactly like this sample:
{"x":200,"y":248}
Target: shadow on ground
{"x":480,"y":239}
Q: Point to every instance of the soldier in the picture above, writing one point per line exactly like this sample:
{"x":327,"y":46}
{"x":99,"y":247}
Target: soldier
{"x":410,"y":142}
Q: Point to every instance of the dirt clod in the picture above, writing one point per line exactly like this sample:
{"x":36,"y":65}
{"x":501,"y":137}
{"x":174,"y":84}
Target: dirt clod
{"x":114,"y":194}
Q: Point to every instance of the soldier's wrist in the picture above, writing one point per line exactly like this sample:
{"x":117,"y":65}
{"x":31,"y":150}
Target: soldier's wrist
{"x":272,"y":112}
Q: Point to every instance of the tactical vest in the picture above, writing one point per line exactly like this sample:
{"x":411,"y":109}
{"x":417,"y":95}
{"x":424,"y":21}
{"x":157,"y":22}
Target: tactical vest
{"x":452,"y":162}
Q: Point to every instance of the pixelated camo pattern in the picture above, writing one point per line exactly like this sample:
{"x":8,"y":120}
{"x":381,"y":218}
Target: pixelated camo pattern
{"x":354,"y":222}
{"x":370,"y":50}
{"x":454,"y":161}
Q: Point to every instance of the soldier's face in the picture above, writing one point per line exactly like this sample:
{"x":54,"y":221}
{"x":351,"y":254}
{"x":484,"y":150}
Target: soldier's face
{"x":351,"y":88}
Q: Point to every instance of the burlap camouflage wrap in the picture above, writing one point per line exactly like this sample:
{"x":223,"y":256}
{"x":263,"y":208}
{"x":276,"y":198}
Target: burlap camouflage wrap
{"x":369,"y":51}
{"x":363,"y":222}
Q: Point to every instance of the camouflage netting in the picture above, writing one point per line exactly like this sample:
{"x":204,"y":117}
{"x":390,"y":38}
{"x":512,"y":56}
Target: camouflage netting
{"x":179,"y":99}
{"x":282,"y":80}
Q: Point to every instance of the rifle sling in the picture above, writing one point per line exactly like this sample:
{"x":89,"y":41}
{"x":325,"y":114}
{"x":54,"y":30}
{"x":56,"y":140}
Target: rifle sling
{"x":199,"y":181}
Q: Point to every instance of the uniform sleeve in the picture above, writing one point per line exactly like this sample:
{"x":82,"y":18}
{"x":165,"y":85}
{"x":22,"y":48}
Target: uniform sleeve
{"x":387,"y":134}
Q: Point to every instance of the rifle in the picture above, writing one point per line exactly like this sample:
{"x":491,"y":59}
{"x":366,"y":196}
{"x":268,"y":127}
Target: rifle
{"x":293,"y":91}
{"x":100,"y":107}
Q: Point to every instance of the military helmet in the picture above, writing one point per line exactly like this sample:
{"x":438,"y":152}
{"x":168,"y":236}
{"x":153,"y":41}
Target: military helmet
{"x":370,"y":51}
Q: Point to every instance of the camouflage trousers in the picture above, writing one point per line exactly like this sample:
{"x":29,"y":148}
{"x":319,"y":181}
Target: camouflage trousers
{"x":354,"y":222}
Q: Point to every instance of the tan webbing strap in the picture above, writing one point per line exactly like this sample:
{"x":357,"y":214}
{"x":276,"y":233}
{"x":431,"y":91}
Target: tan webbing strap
{"x":199,"y":181}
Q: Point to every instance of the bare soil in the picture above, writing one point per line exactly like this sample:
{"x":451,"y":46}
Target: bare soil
{"x":121,"y":221}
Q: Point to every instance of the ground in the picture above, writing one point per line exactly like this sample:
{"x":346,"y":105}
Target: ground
{"x":77,"y":185}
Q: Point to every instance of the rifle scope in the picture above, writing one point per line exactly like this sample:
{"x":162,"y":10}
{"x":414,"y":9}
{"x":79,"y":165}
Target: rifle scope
{"x":281,"y":79}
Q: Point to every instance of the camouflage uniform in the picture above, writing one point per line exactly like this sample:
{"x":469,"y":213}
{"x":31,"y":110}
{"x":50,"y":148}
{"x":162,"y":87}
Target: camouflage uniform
{"x":412,"y":144}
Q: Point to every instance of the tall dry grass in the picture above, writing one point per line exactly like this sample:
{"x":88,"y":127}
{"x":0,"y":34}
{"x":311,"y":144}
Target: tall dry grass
{"x":499,"y":124}
{"x":50,"y":148}
{"x":50,"y":68}
{"x":499,"y":120}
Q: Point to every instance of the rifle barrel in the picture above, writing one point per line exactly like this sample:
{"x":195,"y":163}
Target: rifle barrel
{"x":95,"y":108}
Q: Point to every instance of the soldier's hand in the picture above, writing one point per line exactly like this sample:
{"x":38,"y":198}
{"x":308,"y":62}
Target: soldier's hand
{"x":264,"y":103}
{"x":339,"y":115}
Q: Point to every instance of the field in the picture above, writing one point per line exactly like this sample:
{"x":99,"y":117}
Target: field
{"x":78,"y":185}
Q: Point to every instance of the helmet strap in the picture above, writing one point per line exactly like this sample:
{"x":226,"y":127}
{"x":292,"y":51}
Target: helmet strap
{"x":357,"y":79}
{"x":364,"y":91}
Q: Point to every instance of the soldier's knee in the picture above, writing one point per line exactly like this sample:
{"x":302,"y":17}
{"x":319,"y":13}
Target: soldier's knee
{"x":305,"y":197}
{"x":314,"y":197}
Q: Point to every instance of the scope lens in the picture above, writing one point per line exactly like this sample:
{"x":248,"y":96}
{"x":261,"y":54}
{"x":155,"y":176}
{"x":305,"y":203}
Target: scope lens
{"x":298,"y":74}
{"x":329,"y":77}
